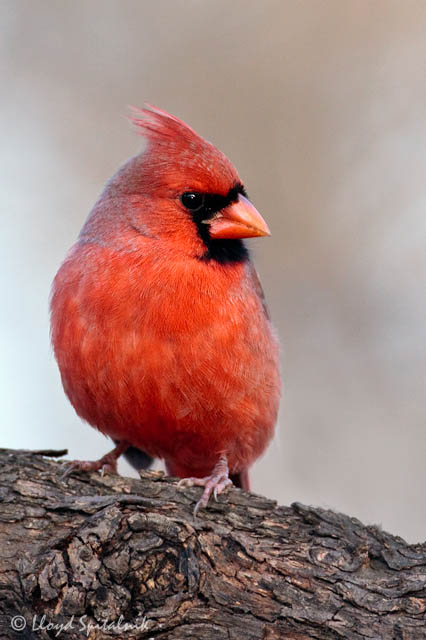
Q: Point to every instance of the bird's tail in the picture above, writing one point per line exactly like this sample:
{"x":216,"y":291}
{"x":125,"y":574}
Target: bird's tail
{"x":138,"y":459}
{"x":241,"y":479}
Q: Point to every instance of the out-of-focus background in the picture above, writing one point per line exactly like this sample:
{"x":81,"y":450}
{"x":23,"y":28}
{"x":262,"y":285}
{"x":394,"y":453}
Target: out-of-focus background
{"x":322,"y":107}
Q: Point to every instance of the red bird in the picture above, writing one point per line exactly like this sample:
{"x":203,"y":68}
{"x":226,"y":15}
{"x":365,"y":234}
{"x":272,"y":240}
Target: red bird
{"x":159,"y":325}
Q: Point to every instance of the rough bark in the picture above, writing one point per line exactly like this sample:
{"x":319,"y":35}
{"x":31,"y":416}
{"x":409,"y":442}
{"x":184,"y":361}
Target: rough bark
{"x":88,"y":549}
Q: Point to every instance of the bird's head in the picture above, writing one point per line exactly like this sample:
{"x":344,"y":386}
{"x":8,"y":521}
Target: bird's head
{"x":182,"y":189}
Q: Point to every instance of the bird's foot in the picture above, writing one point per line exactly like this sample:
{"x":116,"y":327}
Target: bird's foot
{"x":106,"y":464}
{"x":215,"y":483}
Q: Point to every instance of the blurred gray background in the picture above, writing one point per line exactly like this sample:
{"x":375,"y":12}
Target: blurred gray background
{"x":321,"y":105}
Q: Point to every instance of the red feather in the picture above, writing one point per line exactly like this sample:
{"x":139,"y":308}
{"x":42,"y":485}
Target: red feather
{"x":157,"y":345}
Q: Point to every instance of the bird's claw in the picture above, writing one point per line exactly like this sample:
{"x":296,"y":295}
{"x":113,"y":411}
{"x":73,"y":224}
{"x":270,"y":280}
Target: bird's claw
{"x":216,"y":483}
{"x":67,"y":468}
{"x":106,"y":464}
{"x":87,"y":466}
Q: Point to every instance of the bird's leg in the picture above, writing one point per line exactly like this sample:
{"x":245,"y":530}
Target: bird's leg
{"x":215,"y":483}
{"x":108,"y":462}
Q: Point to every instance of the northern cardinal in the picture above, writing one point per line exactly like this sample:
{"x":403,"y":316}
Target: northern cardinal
{"x":159,"y":324}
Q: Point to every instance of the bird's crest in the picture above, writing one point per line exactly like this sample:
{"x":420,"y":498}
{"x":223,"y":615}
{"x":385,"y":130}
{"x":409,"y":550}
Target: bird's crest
{"x":159,"y":126}
{"x":188,"y":157}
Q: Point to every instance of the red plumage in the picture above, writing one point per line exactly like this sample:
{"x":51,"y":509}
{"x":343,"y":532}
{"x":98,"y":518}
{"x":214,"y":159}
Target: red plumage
{"x":158,"y":320}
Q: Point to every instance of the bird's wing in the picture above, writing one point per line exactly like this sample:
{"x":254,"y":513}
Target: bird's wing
{"x":258,"y":288}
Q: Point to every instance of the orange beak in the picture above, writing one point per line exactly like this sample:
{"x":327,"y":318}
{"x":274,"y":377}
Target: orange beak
{"x":239,"y":220}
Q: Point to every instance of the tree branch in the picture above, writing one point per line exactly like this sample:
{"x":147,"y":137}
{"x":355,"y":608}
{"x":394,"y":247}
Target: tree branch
{"x":93,"y":550}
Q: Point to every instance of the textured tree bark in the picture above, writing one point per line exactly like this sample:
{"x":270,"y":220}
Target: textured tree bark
{"x":113,"y":557}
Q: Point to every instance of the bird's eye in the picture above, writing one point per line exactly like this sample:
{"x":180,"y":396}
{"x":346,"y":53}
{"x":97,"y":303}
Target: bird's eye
{"x":192,"y":201}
